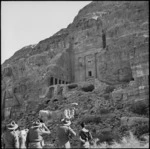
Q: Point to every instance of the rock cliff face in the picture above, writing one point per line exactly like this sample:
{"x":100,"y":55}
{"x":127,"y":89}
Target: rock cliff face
{"x":107,"y":42}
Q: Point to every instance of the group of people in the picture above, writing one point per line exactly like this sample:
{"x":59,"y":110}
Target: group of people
{"x":16,"y":138}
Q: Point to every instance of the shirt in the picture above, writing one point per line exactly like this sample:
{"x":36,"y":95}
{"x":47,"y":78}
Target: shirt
{"x":11,"y":139}
{"x":63,"y":134}
{"x":35,"y":134}
{"x":85,"y":135}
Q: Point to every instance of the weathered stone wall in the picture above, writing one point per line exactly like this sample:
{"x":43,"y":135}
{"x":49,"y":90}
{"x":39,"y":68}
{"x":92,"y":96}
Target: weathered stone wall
{"x":58,"y":72}
{"x":86,"y":65}
{"x":26,"y":77}
{"x":76,"y":54}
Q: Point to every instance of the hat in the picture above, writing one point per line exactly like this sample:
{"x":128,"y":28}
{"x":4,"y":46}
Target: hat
{"x":12,"y":126}
{"x":74,"y":103}
{"x":36,"y":124}
{"x":66,"y":122}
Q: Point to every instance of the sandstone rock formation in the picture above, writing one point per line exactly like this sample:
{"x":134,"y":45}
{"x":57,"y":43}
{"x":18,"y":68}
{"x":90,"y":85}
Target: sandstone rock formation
{"x":106,"y":45}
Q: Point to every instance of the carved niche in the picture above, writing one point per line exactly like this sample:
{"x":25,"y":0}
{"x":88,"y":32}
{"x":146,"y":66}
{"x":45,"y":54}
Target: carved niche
{"x":90,"y":60}
{"x":80,"y":61}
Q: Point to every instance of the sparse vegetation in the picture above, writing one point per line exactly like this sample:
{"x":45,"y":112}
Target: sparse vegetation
{"x":88,"y":88}
{"x":72,"y":86}
{"x":126,"y":142}
{"x":140,"y":128}
{"x":108,"y":136}
{"x":91,"y":118}
{"x":140,"y":107}
{"x":109,"y":89}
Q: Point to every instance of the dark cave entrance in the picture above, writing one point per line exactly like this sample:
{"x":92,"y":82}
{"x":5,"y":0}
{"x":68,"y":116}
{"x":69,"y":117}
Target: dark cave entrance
{"x":51,"y":81}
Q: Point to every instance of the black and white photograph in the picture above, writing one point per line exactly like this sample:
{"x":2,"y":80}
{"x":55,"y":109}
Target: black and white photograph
{"x":74,"y":74}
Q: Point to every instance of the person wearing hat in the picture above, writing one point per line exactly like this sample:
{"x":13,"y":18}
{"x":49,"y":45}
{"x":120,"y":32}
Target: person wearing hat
{"x":64,"y":132}
{"x":10,"y":136}
{"x":34,"y":136}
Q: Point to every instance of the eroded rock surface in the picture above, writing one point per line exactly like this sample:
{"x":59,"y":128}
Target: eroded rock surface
{"x":106,"y":45}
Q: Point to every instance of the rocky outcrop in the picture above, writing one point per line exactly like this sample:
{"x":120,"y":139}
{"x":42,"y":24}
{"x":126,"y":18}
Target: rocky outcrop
{"x":106,"y":45}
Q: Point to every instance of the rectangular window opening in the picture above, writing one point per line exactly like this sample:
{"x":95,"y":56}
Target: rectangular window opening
{"x":59,"y":81}
{"x":55,"y":81}
{"x":51,"y":81}
{"x":89,"y":73}
{"x":89,"y":61}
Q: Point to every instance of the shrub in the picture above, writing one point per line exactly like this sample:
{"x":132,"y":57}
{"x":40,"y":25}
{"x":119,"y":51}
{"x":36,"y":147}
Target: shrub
{"x":139,"y":107}
{"x":91,"y":119}
{"x":71,"y":86}
{"x":140,"y":128}
{"x":108,"y":136}
{"x":109,"y":89}
{"x":106,"y":96}
{"x":124,"y":130}
{"x":88,"y":88}
{"x":126,"y":142}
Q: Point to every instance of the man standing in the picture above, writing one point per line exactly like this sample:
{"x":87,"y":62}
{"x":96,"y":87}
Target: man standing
{"x":64,"y":133}
{"x":34,"y":137}
{"x":10,"y":136}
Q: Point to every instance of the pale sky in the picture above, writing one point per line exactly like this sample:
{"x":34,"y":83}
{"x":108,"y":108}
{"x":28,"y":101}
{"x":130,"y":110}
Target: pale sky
{"x":28,"y":22}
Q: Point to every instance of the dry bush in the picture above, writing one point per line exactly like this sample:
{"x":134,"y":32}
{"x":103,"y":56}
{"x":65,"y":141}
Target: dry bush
{"x":140,"y":128}
{"x":108,"y":136}
{"x":139,"y":107}
{"x":72,"y":86}
{"x":88,"y":88}
{"x":127,"y":142}
{"x":109,"y":89}
{"x":91,"y":119}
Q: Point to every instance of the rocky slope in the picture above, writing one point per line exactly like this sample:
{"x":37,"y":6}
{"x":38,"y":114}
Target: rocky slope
{"x":120,"y":88}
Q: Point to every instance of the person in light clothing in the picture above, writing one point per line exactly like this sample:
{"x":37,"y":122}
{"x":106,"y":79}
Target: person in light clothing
{"x":22,"y":138}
